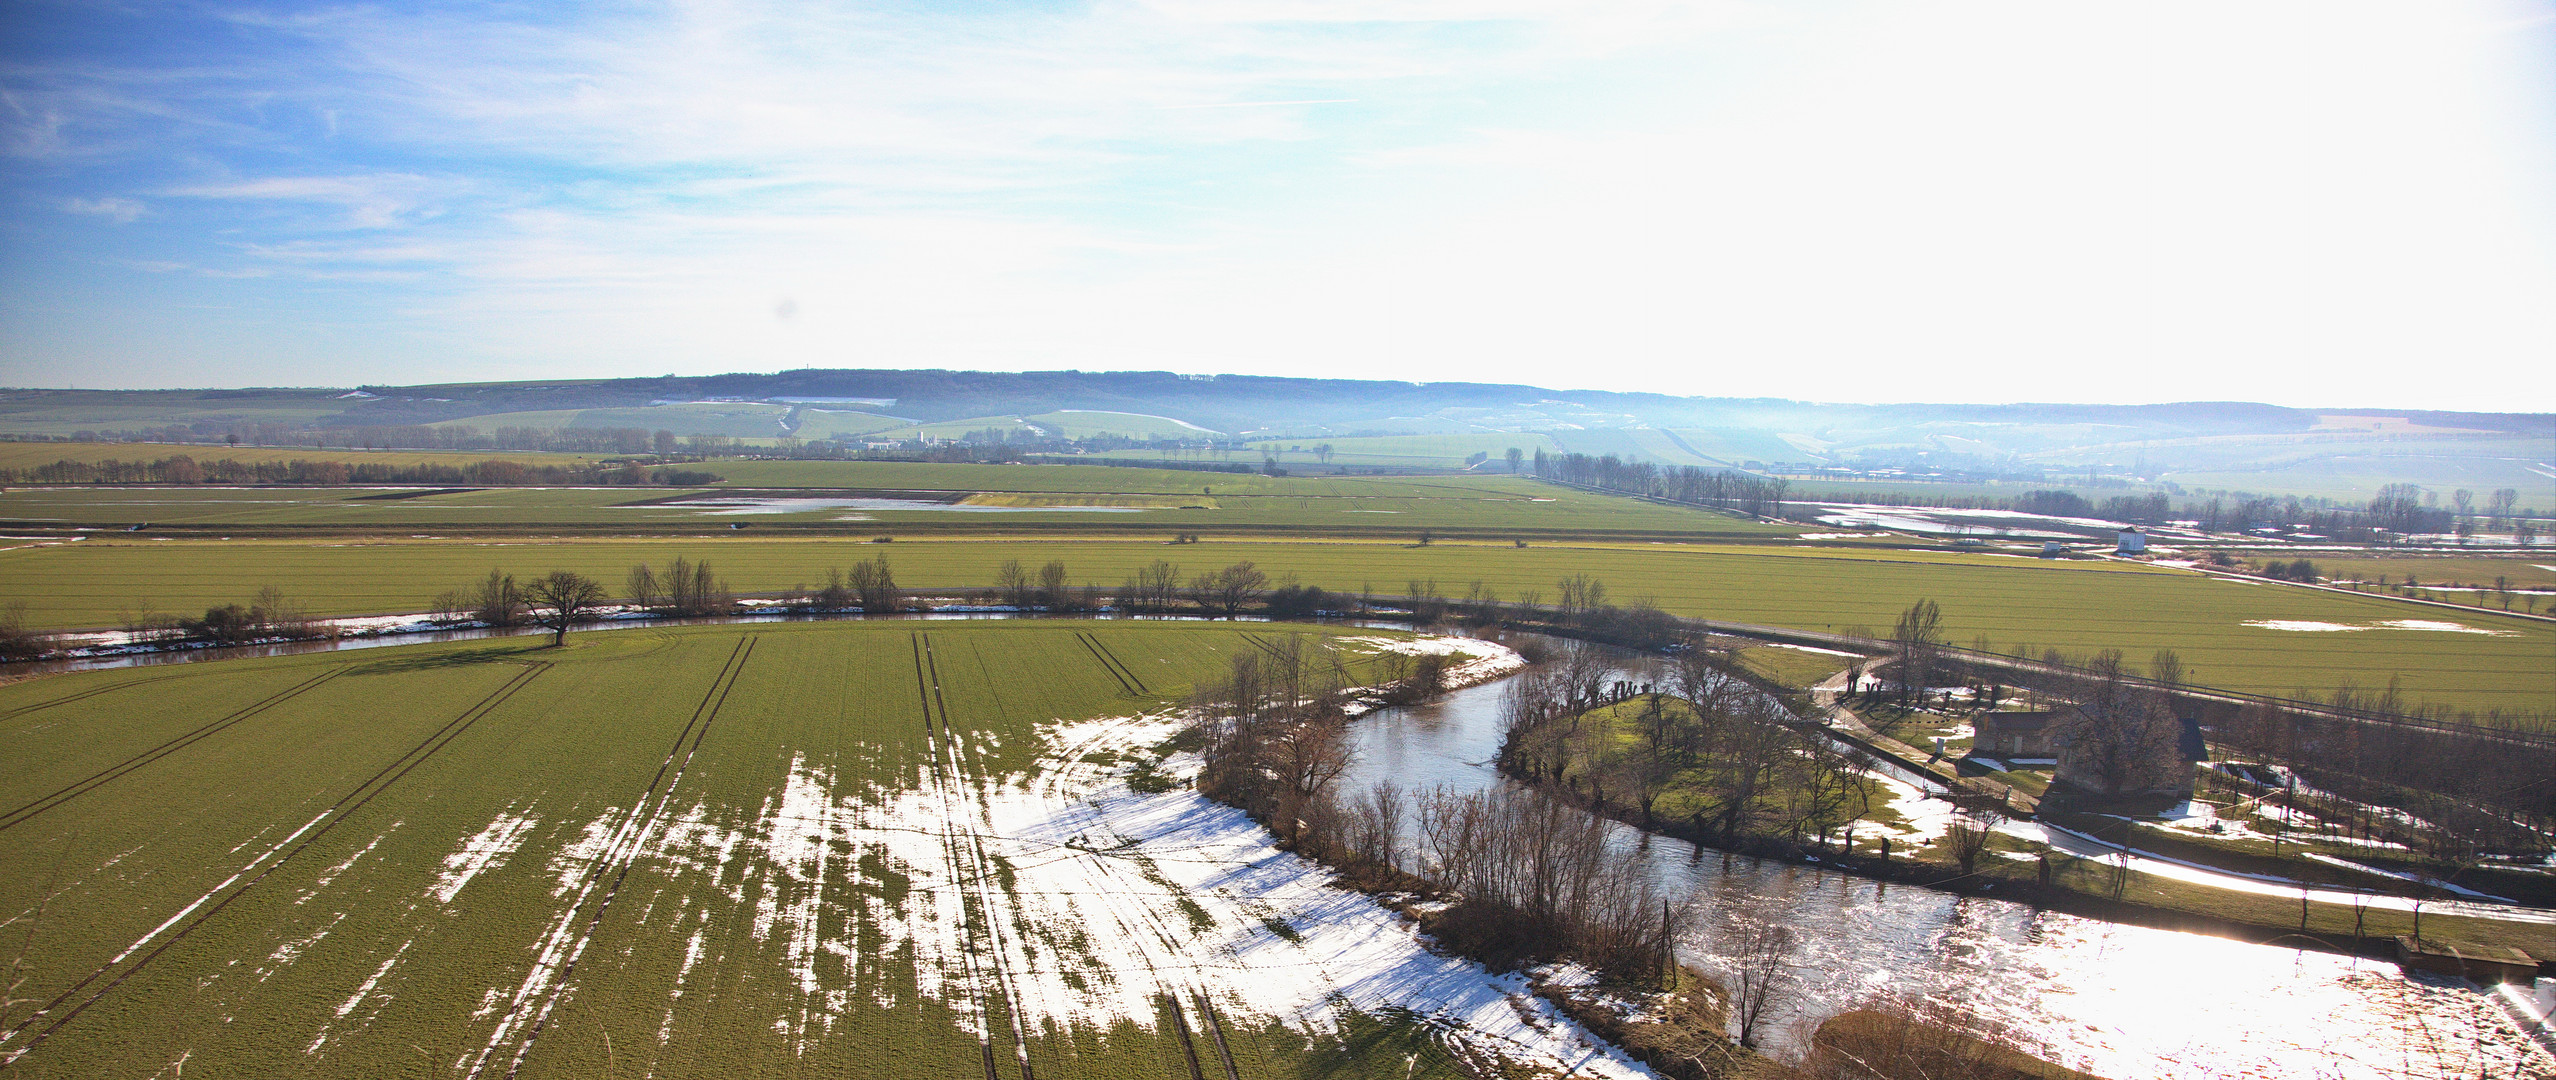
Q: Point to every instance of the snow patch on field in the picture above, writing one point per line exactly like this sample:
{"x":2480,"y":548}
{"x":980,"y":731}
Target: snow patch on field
{"x":1814,"y":649}
{"x":2441,"y":627}
{"x":1106,"y":900}
{"x":480,"y":853}
{"x":1344,"y":951}
{"x":331,"y":873}
{"x":1488,"y":660}
{"x":569,"y":865}
{"x":1927,"y":818}
{"x":2430,"y":625}
{"x":361,"y":992}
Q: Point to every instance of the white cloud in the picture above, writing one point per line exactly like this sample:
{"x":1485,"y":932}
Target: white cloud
{"x":119,"y":210}
{"x":374,"y":201}
{"x":1974,"y":200}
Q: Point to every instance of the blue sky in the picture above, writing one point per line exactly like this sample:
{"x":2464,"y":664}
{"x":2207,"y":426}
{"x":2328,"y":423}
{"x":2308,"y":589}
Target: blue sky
{"x":2302,"y":202}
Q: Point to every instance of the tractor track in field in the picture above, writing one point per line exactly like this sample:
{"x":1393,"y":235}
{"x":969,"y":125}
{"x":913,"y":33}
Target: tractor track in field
{"x":950,"y":855}
{"x":1111,"y":659}
{"x":1114,"y":673}
{"x":970,"y":853}
{"x":1178,"y":987}
{"x":1262,"y":645}
{"x":565,"y":944}
{"x":257,"y":871}
{"x":28,"y":812}
{"x":1133,"y":928}
{"x":84,"y":695}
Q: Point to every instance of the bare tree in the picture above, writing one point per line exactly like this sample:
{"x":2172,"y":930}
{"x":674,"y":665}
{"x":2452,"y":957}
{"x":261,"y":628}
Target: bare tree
{"x":2121,"y":737}
{"x":1053,"y":593}
{"x":1762,"y":950}
{"x":876,"y":587}
{"x":498,"y":601}
{"x":16,"y":641}
{"x":1581,"y":594}
{"x":562,"y":600}
{"x":643,"y":588}
{"x":1918,"y":637}
{"x":1153,"y":587}
{"x":1376,"y":825}
{"x":1968,"y":837}
{"x":1231,"y":589}
{"x":1013,"y":583}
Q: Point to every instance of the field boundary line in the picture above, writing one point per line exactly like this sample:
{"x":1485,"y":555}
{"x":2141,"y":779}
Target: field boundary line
{"x":28,"y":812}
{"x":338,"y":812}
{"x":564,"y":945}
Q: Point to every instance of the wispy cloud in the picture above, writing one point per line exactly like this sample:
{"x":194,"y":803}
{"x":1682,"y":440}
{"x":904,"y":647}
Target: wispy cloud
{"x":119,"y":210}
{"x":1731,"y":191}
{"x":373,"y":201}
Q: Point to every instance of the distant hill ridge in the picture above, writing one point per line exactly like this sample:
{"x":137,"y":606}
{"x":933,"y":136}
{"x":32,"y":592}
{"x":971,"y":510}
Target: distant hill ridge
{"x":1271,"y":403}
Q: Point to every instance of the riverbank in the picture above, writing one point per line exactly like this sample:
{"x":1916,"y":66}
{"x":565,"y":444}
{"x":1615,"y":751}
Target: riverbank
{"x":2089,"y":886}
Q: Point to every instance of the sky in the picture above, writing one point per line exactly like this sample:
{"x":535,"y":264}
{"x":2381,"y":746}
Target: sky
{"x":2321,"y":202}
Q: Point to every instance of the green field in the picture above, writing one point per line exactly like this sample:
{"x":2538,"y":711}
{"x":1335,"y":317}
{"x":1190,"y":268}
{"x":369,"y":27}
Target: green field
{"x":1411,"y":451}
{"x":868,"y":849}
{"x":27,"y":455}
{"x":1502,"y":506}
{"x":2014,"y":602}
{"x":2433,"y":571}
{"x":739,"y":419}
{"x":69,"y":412}
{"x":2352,"y":467}
{"x":1648,"y":444}
{"x":1086,"y":423}
{"x":816,"y":423}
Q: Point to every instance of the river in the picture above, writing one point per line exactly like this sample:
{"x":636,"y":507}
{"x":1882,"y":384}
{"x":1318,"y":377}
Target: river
{"x":2121,"y":1001}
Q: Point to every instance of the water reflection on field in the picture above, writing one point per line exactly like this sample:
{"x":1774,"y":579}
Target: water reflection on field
{"x":2121,"y":1001}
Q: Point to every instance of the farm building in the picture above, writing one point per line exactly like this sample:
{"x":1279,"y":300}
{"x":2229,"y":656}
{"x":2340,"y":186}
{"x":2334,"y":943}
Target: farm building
{"x":2133,"y":542}
{"x":2014,"y":734}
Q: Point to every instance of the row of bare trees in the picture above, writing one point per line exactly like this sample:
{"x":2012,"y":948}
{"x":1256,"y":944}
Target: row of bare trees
{"x":1532,"y":875}
{"x":1535,"y":875}
{"x":2454,"y":793}
{"x":1748,"y":493}
{"x":555,"y":601}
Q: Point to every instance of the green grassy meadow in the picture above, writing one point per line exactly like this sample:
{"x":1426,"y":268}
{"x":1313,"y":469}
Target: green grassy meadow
{"x":25,"y":455}
{"x":1411,"y":451}
{"x":68,"y":412}
{"x":2015,"y":603}
{"x":2433,"y":571}
{"x":738,"y":419}
{"x":1086,"y":423}
{"x":1195,"y":502}
{"x":706,"y":851}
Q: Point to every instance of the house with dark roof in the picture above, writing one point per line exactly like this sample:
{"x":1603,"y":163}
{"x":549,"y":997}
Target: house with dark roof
{"x":2015,"y":734}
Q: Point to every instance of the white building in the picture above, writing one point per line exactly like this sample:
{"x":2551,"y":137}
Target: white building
{"x":2133,"y":542}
